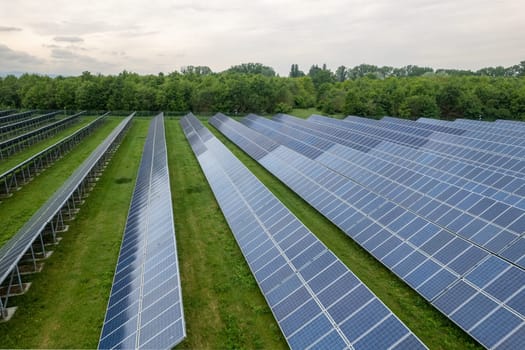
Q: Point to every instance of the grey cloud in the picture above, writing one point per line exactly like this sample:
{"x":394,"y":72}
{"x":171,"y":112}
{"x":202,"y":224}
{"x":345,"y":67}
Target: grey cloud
{"x":423,"y":32}
{"x":10,"y":29}
{"x":68,"y":39}
{"x":74,"y":28}
{"x":68,"y":47}
{"x":61,"y":54}
{"x":75,"y":47}
{"x":118,"y":53}
{"x":190,"y":7}
{"x":137,"y":33}
{"x":69,"y":62}
{"x":12,"y":57}
{"x":68,"y":55}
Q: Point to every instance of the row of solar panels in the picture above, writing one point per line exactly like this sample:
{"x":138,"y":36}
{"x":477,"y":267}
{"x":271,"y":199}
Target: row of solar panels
{"x":13,"y":251}
{"x":23,"y":172}
{"x":19,"y":142}
{"x":363,"y":177}
{"x":145,"y":305}
{"x":488,"y":205}
{"x":317,"y":301}
{"x":9,"y":116}
{"x":7,"y":112}
{"x":480,"y":208}
{"x":19,"y":126}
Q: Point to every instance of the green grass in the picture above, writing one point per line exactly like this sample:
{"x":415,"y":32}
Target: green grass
{"x":434,"y":329}
{"x":306,"y":112}
{"x":223,"y":306}
{"x":65,"y":306}
{"x":16,"y":210}
{"x":17,"y":158}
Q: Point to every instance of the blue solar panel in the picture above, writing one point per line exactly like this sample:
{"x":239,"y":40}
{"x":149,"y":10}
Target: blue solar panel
{"x":310,"y":292}
{"x":145,"y":306}
{"x":427,"y":245}
{"x":507,"y":220}
{"x":48,"y":219}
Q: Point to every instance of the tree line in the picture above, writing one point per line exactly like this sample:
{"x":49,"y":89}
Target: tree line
{"x":364,"y":90}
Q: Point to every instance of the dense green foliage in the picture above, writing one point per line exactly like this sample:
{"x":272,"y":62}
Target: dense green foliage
{"x":367,"y":90}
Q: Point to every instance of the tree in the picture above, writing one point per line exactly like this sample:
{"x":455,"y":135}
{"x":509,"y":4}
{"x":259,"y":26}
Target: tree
{"x":362,"y":70}
{"x":65,"y":92}
{"x":340,"y":74}
{"x":320,"y":75}
{"x":10,"y":92}
{"x":412,"y":71}
{"x":455,"y":101}
{"x":295,"y":72}
{"x":368,"y":90}
{"x":419,"y":106}
{"x":252,"y":68}
{"x":196,"y":70}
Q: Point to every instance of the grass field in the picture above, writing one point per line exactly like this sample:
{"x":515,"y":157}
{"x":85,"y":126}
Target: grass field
{"x":306,"y":112}
{"x":223,"y":306}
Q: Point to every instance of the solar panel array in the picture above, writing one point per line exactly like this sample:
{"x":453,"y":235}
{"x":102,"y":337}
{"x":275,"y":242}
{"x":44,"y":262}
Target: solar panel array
{"x":317,"y":301}
{"x":12,"y":179}
{"x":18,"y":127}
{"x":487,"y":202}
{"x":18,"y":143}
{"x":8,"y":117}
{"x":145,"y":306}
{"x":50,"y":212}
{"x":385,"y":188}
{"x":6,"y":112}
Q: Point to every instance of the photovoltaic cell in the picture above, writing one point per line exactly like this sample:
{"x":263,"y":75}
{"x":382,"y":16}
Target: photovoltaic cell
{"x":145,"y":305}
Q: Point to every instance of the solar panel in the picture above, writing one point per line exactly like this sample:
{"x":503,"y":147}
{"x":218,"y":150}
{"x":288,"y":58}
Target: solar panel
{"x":488,"y":155}
{"x":9,"y":130}
{"x":411,"y":178}
{"x":6,"y":112}
{"x":9,"y":117}
{"x":23,"y":172}
{"x":145,"y":305}
{"x":17,"y":143}
{"x":316,"y":300}
{"x":49,"y":215}
{"x":432,"y":260}
{"x":483,"y":206}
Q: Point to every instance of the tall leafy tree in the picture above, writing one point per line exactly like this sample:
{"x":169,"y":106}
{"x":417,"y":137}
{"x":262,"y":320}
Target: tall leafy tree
{"x":295,"y":72}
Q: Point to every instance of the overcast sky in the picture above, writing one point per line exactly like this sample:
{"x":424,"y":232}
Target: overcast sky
{"x":150,"y":36}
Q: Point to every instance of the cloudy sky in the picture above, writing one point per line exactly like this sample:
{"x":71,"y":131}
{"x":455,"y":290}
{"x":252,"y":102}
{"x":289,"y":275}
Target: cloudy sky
{"x":150,"y":36}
